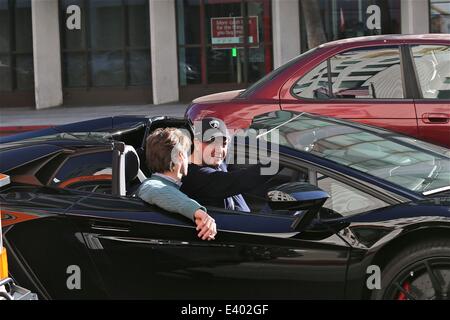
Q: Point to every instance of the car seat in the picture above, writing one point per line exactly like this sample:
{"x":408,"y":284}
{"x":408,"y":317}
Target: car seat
{"x":133,"y":174}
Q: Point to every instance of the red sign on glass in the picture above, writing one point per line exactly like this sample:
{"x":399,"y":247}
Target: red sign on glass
{"x":228,"y":32}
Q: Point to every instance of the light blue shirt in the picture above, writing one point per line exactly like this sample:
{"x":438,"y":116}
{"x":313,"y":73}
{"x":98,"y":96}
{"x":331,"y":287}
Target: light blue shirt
{"x":165,"y":192}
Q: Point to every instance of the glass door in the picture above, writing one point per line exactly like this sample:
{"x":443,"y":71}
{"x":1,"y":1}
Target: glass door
{"x":222,"y":44}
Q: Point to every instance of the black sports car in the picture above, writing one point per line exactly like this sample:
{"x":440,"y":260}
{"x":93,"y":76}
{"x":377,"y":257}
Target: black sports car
{"x":355,"y":212}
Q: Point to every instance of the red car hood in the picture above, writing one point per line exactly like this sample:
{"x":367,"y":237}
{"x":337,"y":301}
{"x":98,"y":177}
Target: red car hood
{"x":218,"y":97}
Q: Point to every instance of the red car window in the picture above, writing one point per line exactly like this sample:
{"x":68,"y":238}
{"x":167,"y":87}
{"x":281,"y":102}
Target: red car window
{"x":363,"y":73}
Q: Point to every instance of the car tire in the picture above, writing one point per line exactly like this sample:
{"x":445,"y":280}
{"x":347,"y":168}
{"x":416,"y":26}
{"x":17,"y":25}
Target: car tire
{"x":407,"y":275}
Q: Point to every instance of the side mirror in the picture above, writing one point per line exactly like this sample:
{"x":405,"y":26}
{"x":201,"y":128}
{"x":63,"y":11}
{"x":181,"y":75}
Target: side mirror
{"x":304,"y":199}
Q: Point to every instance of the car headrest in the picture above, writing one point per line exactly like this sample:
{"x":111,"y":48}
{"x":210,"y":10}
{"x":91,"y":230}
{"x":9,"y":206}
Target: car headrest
{"x":132,"y":163}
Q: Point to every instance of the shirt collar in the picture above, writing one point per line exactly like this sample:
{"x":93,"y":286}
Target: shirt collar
{"x":177,"y":182}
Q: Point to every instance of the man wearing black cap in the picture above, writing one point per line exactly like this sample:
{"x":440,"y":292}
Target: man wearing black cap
{"x":208,"y":180}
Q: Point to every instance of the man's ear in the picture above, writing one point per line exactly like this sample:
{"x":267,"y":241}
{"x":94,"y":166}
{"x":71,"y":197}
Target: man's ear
{"x":181,"y":155}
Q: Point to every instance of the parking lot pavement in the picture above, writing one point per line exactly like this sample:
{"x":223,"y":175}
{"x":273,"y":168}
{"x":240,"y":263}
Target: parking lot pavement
{"x":14,"y":120}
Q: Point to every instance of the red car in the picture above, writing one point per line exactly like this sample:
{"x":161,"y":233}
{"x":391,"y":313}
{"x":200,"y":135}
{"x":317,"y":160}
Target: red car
{"x":399,"y":82}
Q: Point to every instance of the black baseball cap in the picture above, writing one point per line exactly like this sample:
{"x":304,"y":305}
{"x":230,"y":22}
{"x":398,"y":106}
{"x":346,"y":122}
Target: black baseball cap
{"x":207,"y":129}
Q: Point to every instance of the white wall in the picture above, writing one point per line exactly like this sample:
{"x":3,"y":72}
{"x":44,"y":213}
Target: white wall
{"x":163,"y":37}
{"x":286,"y":30}
{"x":415,"y":16}
{"x":46,"y":53}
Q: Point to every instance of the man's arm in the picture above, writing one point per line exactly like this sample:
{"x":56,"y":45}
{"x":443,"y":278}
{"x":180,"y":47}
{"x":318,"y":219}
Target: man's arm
{"x":220,"y":184}
{"x":172,"y":200}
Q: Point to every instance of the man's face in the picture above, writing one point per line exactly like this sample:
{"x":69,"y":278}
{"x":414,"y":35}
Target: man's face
{"x":215,"y":151}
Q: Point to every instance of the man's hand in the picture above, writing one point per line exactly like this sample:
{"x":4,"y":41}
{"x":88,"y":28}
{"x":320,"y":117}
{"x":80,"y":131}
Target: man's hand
{"x":205,"y":224}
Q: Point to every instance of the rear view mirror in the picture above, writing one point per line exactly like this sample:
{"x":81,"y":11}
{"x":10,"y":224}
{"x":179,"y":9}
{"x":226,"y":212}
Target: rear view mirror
{"x":303,"y":199}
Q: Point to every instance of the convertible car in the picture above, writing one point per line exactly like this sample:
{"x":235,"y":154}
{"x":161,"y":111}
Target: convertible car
{"x":351,"y":212}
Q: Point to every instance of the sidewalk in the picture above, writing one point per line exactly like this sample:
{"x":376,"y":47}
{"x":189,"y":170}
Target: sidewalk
{"x":13,"y":120}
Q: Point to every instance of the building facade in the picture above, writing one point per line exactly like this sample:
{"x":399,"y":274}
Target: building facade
{"x":100,"y":52}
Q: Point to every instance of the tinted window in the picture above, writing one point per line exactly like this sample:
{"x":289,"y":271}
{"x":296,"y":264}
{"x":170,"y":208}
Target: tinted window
{"x":347,"y":200}
{"x":439,"y":16}
{"x":433,"y":70}
{"x":314,"y":84}
{"x":112,"y":46}
{"x":16,"y":46}
{"x":85,"y":170}
{"x":275,"y":73}
{"x":213,"y":31}
{"x":369,"y":73}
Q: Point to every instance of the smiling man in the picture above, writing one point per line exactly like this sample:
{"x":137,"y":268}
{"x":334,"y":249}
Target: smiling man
{"x":208,"y":179}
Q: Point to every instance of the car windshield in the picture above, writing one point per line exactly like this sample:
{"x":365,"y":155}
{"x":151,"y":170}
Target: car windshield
{"x":409,"y":163}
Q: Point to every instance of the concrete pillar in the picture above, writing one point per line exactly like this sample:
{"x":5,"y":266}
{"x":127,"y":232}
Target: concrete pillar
{"x":163,"y":37}
{"x":46,"y":53}
{"x":415,"y":16}
{"x":285,"y":30}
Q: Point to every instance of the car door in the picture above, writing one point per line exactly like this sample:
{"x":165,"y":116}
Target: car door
{"x":144,"y":252}
{"x":431,"y":63}
{"x":363,"y":84}
{"x":45,"y":251}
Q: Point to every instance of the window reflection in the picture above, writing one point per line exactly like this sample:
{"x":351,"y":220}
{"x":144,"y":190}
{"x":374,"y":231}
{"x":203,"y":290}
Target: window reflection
{"x":75,"y":68}
{"x":433,"y":70}
{"x":106,"y":24}
{"x":355,"y":74}
{"x":209,"y":58}
{"x":440,"y":16}
{"x":4,"y":26}
{"x":22,"y":26}
{"x":327,"y":20}
{"x":347,"y":200}
{"x":113,"y":46}
{"x":188,"y":15}
{"x":137,"y":62}
{"x":5,"y":73}
{"x":372,"y":73}
{"x":224,"y":67}
{"x":189,"y":65}
{"x":24,"y":71}
{"x":16,"y":46}
{"x":376,"y":152}
{"x":107,"y":68}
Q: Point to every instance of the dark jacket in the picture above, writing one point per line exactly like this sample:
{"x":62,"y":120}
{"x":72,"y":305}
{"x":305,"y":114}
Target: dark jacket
{"x":220,"y":188}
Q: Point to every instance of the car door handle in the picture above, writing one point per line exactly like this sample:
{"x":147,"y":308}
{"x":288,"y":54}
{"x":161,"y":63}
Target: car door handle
{"x":435,"y":118}
{"x":109,"y":227}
